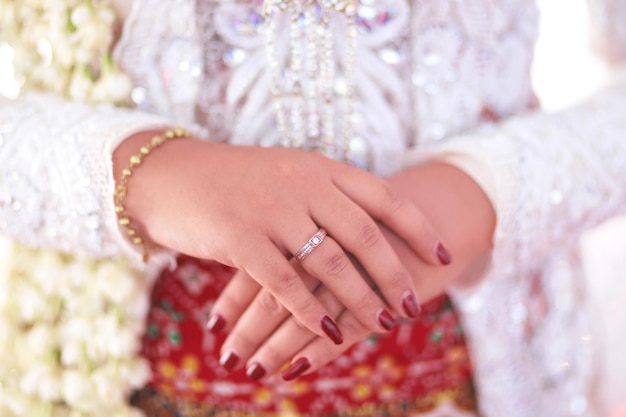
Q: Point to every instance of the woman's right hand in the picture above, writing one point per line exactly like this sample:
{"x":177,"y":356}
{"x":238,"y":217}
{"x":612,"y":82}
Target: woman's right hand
{"x":253,"y":208}
{"x":458,"y":208}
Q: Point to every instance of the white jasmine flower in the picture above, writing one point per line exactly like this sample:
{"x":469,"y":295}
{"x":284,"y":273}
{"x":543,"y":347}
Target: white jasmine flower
{"x":136,"y":372}
{"x":41,"y":340}
{"x":80,"y":84}
{"x":136,"y":307}
{"x":117,"y":86}
{"x":72,"y":353}
{"x":107,"y":382}
{"x":41,"y":380}
{"x":70,"y":325}
{"x":77,"y":389}
{"x":49,"y":388}
{"x":30,"y":303}
{"x":80,"y":15}
{"x":124,"y":343}
{"x":99,"y":93}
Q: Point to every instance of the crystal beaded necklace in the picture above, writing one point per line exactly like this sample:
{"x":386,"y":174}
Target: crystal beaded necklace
{"x":304,"y":90}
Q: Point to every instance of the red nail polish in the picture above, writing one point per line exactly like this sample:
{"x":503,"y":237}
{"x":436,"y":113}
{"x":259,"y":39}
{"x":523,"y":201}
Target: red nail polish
{"x":331,"y":329}
{"x":411,"y":308}
{"x":229,"y":360}
{"x":296,"y":369}
{"x":256,"y":371}
{"x":386,"y":319}
{"x":216,"y":323}
{"x":442,"y":253}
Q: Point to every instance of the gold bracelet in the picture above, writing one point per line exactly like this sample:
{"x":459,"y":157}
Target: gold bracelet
{"x":122,"y":188}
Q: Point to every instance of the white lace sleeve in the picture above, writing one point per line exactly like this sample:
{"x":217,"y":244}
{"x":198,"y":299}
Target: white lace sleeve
{"x":555,"y":175}
{"x":56,"y":182}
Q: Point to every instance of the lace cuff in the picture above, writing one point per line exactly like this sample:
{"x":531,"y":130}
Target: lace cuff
{"x":56,"y":167}
{"x":554,"y":176}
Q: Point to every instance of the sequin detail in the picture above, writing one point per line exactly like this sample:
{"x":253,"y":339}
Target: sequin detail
{"x":55,"y":185}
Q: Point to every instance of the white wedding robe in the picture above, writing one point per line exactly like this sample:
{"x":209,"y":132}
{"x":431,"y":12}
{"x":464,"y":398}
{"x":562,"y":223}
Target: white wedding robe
{"x":430,"y":75}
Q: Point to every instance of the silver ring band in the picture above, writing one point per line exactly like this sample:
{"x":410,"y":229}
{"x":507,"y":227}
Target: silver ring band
{"x":310,"y":246}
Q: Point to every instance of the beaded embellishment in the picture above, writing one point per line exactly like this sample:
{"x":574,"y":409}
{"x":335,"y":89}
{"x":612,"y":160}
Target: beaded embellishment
{"x":304,"y":95}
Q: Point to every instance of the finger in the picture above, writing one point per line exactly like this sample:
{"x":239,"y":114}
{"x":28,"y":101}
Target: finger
{"x":358,"y":234}
{"x":384,"y":203}
{"x":290,"y":338}
{"x":318,"y":352}
{"x":269,"y":267}
{"x":232,"y":302}
{"x":258,"y":323}
{"x":329,"y":263}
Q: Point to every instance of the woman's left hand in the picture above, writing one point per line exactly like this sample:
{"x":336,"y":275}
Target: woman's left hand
{"x":266,"y":336}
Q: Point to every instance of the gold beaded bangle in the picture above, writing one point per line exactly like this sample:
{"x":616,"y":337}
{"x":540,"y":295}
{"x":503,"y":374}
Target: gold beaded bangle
{"x":122,"y":188}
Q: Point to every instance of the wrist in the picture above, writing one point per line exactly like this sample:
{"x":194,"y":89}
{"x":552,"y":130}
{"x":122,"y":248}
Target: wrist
{"x":135,"y":163}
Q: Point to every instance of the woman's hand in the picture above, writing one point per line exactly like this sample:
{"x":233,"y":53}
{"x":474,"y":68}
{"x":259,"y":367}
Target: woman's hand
{"x":265,"y":337}
{"x":252,"y":208}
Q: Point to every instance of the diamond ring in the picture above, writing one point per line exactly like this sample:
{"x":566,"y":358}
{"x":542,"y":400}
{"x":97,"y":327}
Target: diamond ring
{"x":310,"y":246}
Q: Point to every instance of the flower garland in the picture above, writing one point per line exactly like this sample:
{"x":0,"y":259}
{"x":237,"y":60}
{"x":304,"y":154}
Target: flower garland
{"x":63,"y":46}
{"x":69,"y":334}
{"x":70,"y":326}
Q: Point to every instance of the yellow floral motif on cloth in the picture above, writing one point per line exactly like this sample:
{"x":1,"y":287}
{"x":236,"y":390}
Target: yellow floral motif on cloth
{"x":164,"y":405}
{"x":182,"y":379}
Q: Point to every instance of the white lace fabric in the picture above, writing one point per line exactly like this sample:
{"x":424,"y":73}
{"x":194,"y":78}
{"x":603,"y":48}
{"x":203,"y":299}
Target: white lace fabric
{"x":427,"y":72}
{"x":56,"y":188}
{"x":528,"y":322}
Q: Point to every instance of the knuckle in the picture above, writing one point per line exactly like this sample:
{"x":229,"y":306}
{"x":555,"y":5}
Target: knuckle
{"x":394,"y":200}
{"x":329,"y":301}
{"x":399,"y":279}
{"x":293,"y":169}
{"x":306,"y":313}
{"x":269,"y":304}
{"x":370,"y":235}
{"x":353,"y":329}
{"x":269,"y":265}
{"x":308,"y":305}
{"x":336,"y":264}
{"x":237,"y":340}
{"x":226,"y":299}
{"x":366,"y":301}
{"x":300,"y":328}
{"x":286,"y":280}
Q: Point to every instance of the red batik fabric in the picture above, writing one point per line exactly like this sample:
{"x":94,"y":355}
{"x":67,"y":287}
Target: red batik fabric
{"x":414,"y":367}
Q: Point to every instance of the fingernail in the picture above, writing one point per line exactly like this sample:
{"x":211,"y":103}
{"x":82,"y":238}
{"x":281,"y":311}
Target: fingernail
{"x":216,"y":323}
{"x":386,"y":319}
{"x":229,"y":360}
{"x":256,"y":371}
{"x":296,"y":369}
{"x":331,"y":330}
{"x":411,"y":308}
{"x":442,"y":253}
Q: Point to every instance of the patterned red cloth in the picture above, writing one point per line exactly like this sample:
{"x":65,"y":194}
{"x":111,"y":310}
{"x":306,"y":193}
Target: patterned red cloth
{"x":415,"y":366}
